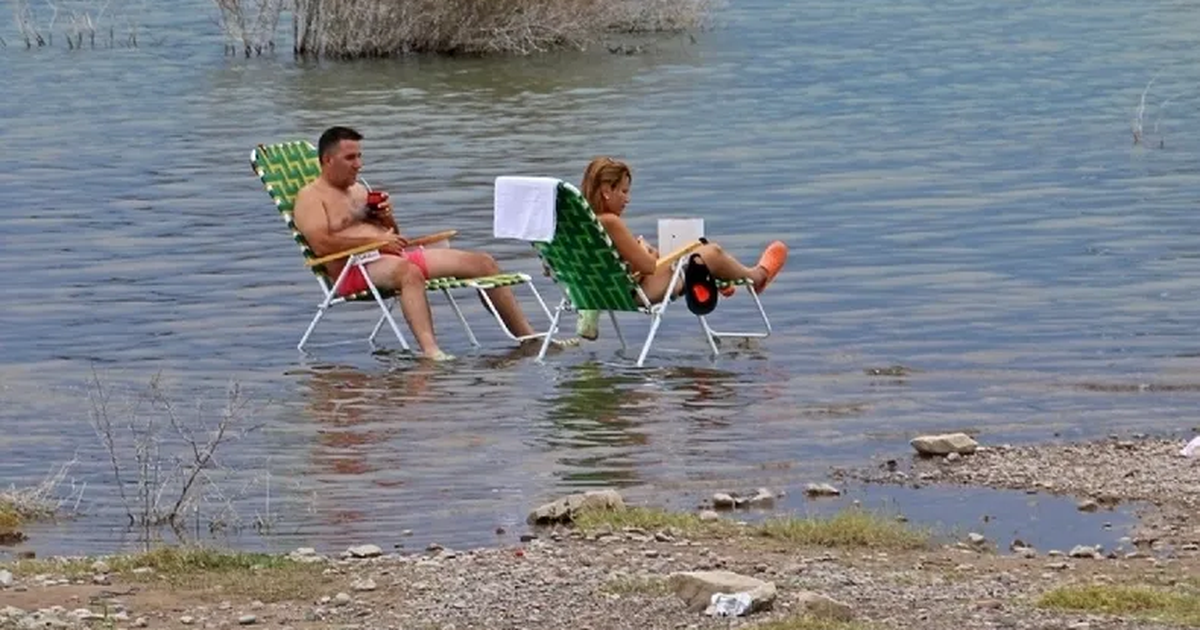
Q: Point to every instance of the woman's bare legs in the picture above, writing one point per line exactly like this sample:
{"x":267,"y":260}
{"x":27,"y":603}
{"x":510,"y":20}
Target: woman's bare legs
{"x":723,"y":267}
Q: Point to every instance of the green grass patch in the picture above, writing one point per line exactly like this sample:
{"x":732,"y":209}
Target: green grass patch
{"x":650,"y":520}
{"x":10,"y":518}
{"x":852,"y":528}
{"x":1137,"y":600}
{"x":806,"y":622}
{"x":220,"y":574}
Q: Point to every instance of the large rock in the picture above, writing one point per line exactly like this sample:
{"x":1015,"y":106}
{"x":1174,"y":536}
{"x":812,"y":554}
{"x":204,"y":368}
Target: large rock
{"x":567,"y":508}
{"x":945,"y":444}
{"x":824,"y":607}
{"x":696,"y":589}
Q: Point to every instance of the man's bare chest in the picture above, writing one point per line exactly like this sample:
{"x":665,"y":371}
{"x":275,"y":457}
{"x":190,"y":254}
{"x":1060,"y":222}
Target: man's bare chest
{"x":343,"y":212}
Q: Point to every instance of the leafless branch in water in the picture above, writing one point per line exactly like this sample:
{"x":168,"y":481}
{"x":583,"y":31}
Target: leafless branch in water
{"x":168,"y":457}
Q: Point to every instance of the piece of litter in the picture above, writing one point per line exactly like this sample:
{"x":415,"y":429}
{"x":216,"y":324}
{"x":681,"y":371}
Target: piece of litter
{"x":726,"y":605}
{"x":1191,"y":447}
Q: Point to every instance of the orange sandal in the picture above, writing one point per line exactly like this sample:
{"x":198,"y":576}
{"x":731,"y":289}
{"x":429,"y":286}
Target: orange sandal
{"x":772,"y":260}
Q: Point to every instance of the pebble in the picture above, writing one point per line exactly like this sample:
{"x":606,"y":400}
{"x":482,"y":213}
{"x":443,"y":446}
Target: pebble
{"x":246,"y":620}
{"x":364,"y":585}
{"x":141,"y":622}
{"x":341,"y":599}
{"x":6,"y":578}
{"x":187,"y":620}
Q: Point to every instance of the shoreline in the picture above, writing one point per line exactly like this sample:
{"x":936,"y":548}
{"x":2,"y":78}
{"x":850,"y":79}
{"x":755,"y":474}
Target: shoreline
{"x":610,"y":565}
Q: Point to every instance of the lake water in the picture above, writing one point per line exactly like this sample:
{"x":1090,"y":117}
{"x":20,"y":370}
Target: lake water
{"x":957,"y":181}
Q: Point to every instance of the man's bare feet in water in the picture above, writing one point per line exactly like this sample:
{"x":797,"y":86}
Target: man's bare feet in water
{"x":438,"y":356}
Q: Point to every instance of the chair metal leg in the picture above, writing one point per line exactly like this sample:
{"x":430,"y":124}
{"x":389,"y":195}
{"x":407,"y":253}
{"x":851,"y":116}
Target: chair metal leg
{"x":541,"y":302}
{"x":621,"y":337}
{"x":387,"y":313}
{"x":709,"y":334}
{"x":657,"y":311}
{"x":312,"y":325}
{"x":746,"y":335}
{"x":553,"y":329}
{"x":379,"y":324}
{"x":491,"y":307}
{"x":461,"y":318}
{"x":330,"y":295}
{"x":650,"y":338}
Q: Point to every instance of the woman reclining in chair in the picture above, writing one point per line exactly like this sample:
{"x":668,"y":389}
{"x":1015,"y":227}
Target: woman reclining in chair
{"x":606,"y":185}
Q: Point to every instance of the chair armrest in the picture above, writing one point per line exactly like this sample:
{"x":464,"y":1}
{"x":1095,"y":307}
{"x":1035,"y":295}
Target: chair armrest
{"x":346,"y":254}
{"x":676,"y":255}
{"x":432,"y":238}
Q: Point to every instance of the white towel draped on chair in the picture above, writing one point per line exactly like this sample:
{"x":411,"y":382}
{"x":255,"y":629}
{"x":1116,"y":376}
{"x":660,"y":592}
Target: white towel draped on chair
{"x":523,"y":208}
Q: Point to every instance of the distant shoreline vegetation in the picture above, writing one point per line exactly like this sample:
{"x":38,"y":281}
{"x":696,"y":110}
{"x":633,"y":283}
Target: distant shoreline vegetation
{"x":358,"y":29}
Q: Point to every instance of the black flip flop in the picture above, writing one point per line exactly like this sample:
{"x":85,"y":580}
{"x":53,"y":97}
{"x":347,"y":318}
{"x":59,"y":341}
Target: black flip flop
{"x":699,"y":287}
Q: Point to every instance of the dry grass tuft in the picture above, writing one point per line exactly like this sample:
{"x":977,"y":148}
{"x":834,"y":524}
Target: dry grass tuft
{"x":805,"y":622}
{"x":1173,"y":605}
{"x":852,"y":528}
{"x":210,"y":574}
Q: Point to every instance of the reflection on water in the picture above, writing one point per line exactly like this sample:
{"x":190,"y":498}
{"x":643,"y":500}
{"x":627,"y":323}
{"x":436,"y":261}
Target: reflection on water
{"x":958,"y":188}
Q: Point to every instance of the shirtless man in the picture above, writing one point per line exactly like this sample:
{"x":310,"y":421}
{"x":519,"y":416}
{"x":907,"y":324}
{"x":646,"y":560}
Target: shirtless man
{"x":332,"y":215}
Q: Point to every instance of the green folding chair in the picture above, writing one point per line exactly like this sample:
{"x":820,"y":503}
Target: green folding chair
{"x":584,"y":263}
{"x":284,"y":169}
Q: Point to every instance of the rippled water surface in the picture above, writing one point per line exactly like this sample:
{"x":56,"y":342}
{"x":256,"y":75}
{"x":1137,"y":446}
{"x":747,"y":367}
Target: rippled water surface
{"x":957,"y":181}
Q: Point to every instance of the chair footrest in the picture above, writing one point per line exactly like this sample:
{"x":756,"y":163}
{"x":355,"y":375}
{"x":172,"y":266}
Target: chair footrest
{"x":450,"y":282}
{"x":740,"y":282}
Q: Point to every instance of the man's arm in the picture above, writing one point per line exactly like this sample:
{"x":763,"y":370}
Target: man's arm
{"x":313,"y":223}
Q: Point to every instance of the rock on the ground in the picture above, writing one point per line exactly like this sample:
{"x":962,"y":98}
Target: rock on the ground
{"x":247,"y":620}
{"x":6,"y":578}
{"x":365,"y":584}
{"x":709,"y":515}
{"x":696,"y":588}
{"x":341,"y":599}
{"x":821,"y":490}
{"x":824,"y":607}
{"x":944,"y":444}
{"x":565,"y":510}
{"x":365,"y":551}
{"x":723,"y":501}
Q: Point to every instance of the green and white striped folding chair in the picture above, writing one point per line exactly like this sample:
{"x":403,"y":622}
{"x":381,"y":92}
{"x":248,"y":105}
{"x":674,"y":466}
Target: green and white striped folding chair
{"x":284,"y":169}
{"x":583,"y":261}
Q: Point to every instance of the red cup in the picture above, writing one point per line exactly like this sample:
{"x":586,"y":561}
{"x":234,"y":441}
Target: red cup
{"x":374,"y":198}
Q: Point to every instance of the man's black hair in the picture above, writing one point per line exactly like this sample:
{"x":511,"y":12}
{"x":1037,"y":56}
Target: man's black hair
{"x":333,"y":136}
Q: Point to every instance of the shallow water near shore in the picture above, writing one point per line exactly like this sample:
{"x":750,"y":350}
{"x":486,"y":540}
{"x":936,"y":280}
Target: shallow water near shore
{"x":957,"y":183}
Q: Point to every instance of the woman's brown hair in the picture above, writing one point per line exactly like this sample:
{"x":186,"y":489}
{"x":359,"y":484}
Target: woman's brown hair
{"x":600,"y":171}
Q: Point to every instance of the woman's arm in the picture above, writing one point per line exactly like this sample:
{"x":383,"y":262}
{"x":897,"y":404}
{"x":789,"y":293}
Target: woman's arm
{"x":628,"y":247}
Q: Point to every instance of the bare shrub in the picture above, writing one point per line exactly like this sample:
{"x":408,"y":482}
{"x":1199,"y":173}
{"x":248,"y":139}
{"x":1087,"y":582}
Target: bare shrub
{"x":165,"y":462}
{"x":44,"y":500}
{"x":79,"y":21}
{"x":377,"y":28}
{"x":250,"y":24}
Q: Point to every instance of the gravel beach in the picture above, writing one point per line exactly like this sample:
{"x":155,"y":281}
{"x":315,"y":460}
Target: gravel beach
{"x":1100,"y":474}
{"x":617,"y":575}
